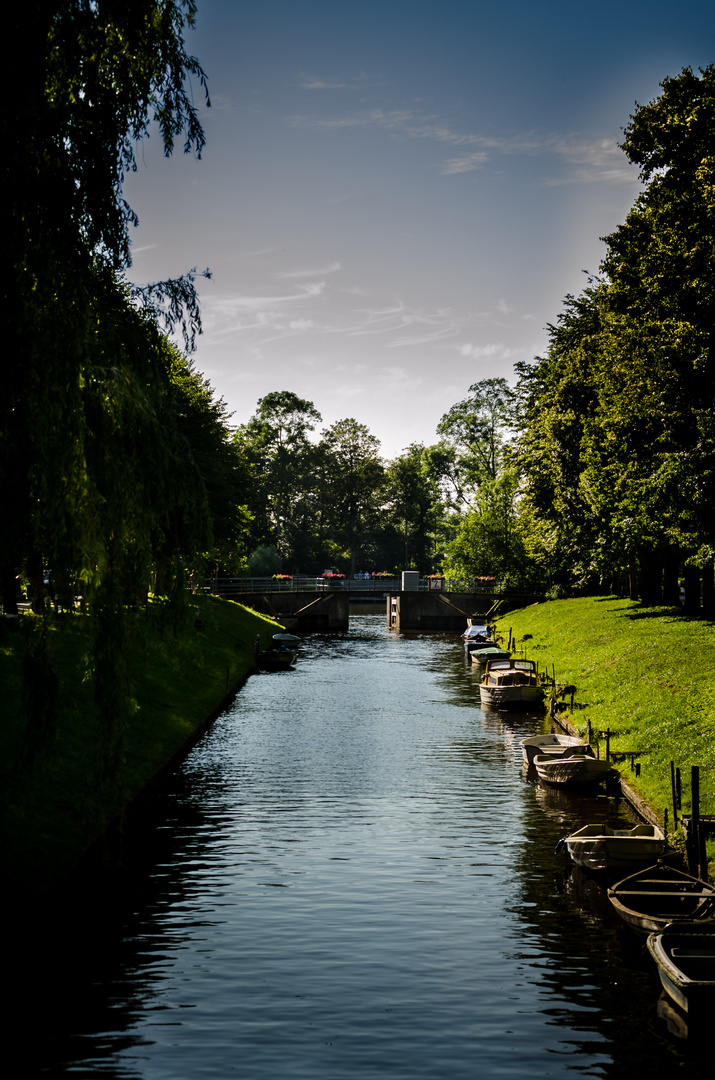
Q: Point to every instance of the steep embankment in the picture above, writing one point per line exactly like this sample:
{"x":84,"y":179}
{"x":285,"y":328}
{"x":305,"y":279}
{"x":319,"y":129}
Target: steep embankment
{"x":59,"y":794}
{"x":647,"y":674}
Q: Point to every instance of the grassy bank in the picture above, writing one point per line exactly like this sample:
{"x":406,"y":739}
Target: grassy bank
{"x":58,"y":794}
{"x":647,"y":674}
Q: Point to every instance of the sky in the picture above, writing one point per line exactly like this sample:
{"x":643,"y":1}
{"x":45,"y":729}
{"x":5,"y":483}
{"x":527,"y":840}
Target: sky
{"x":395,"y":197}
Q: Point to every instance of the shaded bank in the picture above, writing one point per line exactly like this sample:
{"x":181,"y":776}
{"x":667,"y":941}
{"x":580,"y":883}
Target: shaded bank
{"x":59,"y":795}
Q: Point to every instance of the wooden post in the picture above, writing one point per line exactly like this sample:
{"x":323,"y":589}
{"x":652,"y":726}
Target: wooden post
{"x":590,"y":733}
{"x":674,"y":796}
{"x":608,"y":744}
{"x":678,"y":789}
{"x":695,"y":814}
{"x":665,"y":821}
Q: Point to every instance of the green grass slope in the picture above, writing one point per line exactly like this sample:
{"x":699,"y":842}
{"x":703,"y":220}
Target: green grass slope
{"x":57,"y":794}
{"x":647,"y":674}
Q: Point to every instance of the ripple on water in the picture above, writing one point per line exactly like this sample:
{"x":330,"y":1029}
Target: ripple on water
{"x":349,"y":877}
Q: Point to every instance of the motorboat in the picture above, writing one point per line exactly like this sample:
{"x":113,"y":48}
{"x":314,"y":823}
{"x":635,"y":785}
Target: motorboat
{"x":511,"y":682}
{"x":600,"y":847}
{"x":660,"y":894}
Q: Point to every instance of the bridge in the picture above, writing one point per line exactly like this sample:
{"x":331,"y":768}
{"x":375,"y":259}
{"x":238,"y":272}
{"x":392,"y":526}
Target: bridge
{"x":304,"y":603}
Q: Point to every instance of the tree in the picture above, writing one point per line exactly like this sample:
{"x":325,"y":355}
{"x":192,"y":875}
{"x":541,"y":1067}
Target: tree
{"x":661,"y":270}
{"x":91,"y":462}
{"x":477,"y":430}
{"x":415,"y":506}
{"x":354,"y":484}
{"x":276,"y":445}
{"x":95,"y":76}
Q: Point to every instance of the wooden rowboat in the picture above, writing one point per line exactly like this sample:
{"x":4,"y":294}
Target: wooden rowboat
{"x":599,"y":847}
{"x":685,"y":957}
{"x":651,"y":898}
{"x":553,"y":743}
{"x":571,"y":768}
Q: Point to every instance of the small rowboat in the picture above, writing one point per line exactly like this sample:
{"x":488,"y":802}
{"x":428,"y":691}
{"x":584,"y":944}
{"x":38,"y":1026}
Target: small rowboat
{"x":599,"y":847}
{"x":651,"y":898}
{"x":571,"y":768}
{"x":685,"y":956}
{"x":554,"y":743}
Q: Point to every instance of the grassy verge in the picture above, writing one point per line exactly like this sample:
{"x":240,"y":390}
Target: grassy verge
{"x":58,"y":795}
{"x":647,"y":674}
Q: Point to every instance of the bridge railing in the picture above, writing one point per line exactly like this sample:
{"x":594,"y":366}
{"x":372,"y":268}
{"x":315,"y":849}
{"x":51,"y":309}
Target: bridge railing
{"x":308,"y":583}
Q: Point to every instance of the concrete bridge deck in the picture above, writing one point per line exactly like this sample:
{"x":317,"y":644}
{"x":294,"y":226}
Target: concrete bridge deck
{"x":302,"y":606}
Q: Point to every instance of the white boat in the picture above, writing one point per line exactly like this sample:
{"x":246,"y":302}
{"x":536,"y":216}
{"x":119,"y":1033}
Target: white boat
{"x":571,"y":768}
{"x":599,"y":847}
{"x":511,"y":682}
{"x":553,"y":743}
{"x":684,"y":953}
{"x":650,"y":899}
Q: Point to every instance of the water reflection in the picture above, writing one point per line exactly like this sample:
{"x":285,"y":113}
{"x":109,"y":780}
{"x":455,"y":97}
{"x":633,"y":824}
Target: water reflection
{"x":351,"y":876}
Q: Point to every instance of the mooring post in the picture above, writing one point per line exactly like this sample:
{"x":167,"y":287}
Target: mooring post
{"x":695,"y":813}
{"x":674,"y":795}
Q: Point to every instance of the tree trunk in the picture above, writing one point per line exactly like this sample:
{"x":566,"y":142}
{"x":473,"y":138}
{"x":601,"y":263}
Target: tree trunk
{"x":650,"y":574}
{"x":8,"y":585}
{"x":633,"y":576}
{"x":709,"y":589}
{"x":671,"y":588}
{"x":692,"y":590}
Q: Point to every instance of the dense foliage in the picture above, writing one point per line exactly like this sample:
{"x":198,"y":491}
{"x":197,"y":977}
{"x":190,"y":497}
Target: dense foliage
{"x":617,"y":428}
{"x":116,"y":464}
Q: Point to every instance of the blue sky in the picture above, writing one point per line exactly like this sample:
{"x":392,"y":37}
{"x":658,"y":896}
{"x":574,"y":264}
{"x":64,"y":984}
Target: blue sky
{"x":395,"y":197}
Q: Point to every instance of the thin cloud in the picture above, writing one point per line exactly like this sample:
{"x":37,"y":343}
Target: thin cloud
{"x":598,"y":159}
{"x":491,"y":351}
{"x":331,"y":269}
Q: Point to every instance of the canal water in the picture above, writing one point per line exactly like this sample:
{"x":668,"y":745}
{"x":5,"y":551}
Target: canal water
{"x":351,"y":877}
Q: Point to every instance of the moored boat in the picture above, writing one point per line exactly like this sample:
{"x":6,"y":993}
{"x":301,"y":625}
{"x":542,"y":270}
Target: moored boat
{"x":684,"y":954}
{"x":599,"y":847}
{"x":487,"y":652}
{"x":281,"y":655}
{"x":480,"y":644}
{"x":511,"y":682}
{"x":571,"y":768}
{"x":660,"y":894}
{"x":552,"y":743}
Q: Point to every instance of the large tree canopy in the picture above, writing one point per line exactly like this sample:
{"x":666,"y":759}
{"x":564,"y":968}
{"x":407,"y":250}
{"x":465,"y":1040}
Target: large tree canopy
{"x":96,"y":75}
{"x":629,"y":472}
